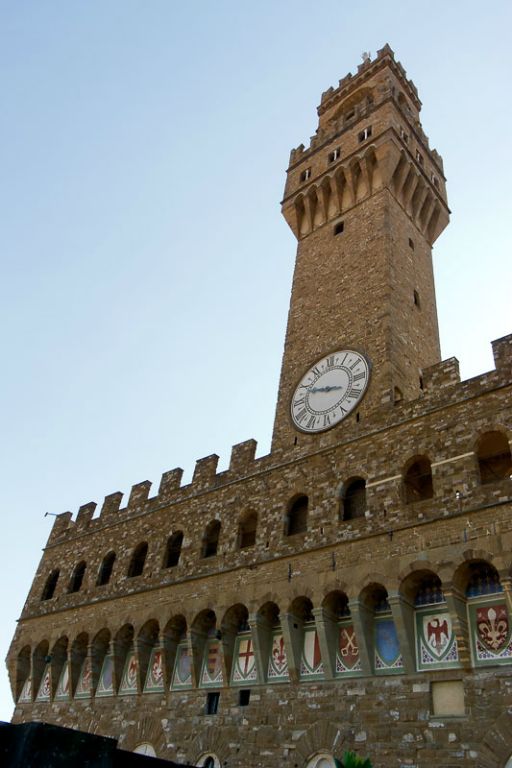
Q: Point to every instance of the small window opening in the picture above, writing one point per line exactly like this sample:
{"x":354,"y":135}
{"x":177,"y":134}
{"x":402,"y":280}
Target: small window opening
{"x":138,"y":560}
{"x":418,"y":481}
{"x":297,"y":518}
{"x":334,"y":155}
{"x":211,"y":539}
{"x":106,"y":567}
{"x":421,"y":382}
{"x":212,"y":702}
{"x":173,"y":550}
{"x":365,"y":134}
{"x":305,"y":175}
{"x":247,"y":531}
{"x":77,"y":578}
{"x":51,"y":584}
{"x":416,"y":297}
{"x":354,"y":502}
{"x":494,"y":457}
{"x":419,"y":157}
{"x":243,"y":698}
{"x":339,"y":227}
{"x":404,"y":135}
{"x":411,"y":244}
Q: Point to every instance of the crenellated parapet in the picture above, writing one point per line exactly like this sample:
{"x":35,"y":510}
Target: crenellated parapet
{"x":442,"y":387}
{"x":385,"y":57}
{"x":358,"y":96}
{"x":369,"y":137}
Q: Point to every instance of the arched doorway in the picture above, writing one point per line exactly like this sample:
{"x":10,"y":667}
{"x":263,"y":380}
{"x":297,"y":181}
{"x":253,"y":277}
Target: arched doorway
{"x":145,"y":749}
{"x":208,"y":760}
{"x":321,"y":761}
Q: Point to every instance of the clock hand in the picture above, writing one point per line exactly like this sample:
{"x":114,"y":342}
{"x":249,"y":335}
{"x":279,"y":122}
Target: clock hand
{"x":324,"y":389}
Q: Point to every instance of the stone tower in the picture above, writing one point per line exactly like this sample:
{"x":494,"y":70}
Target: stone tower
{"x":352,"y":589}
{"x":365,"y":201}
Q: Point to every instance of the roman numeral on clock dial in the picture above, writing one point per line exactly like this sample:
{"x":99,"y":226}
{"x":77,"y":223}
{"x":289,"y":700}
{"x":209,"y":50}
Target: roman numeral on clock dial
{"x":327,"y":392}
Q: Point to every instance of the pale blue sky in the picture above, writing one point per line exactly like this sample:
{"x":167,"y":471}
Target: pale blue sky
{"x":146,"y":268}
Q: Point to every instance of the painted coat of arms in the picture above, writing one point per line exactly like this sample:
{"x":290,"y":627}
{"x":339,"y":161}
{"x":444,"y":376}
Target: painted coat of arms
{"x":347,"y":655}
{"x":278,"y":661}
{"x":62,"y":691}
{"x":212,"y":664}
{"x":106,"y":681}
{"x":244,"y":667}
{"x":155,"y":673}
{"x":44,"y":691}
{"x":83,"y":688}
{"x":182,"y":677}
{"x":26,"y":691}
{"x":436,"y":642}
{"x":387,"y":647}
{"x":129,"y":679}
{"x":311,"y":661}
{"x":492,"y":632}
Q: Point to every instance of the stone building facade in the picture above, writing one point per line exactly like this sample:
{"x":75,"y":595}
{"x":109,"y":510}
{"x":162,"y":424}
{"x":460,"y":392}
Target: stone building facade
{"x":350,"y":590}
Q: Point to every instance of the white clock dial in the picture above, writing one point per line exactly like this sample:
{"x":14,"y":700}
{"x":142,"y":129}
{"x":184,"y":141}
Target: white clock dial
{"x":330,"y":390}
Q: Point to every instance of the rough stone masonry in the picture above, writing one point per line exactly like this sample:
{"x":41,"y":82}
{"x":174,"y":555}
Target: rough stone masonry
{"x":351,"y":589}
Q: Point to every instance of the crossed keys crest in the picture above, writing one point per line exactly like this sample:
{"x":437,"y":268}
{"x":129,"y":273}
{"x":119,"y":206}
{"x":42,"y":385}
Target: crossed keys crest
{"x":348,"y":648}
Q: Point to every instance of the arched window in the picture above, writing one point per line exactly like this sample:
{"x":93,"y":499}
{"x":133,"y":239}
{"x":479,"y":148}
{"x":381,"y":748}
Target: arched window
{"x":77,"y":577}
{"x":51,"y":583}
{"x":297,"y":517}
{"x":483,"y":580}
{"x":429,"y":591}
{"x":173,"y":550}
{"x":105,"y":571}
{"x":418,"y":481}
{"x":247,"y":530}
{"x":211,"y":539}
{"x":354,"y":499}
{"x":138,"y":560}
{"x":494,"y":459}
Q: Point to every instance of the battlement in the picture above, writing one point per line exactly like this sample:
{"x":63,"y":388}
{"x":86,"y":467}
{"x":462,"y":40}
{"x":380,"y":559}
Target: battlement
{"x":357,"y":97}
{"x":441,"y":385}
{"x":367,"y":68}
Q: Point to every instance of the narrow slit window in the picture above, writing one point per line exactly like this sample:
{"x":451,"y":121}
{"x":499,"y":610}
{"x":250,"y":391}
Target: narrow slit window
{"x":212,"y":702}
{"x":365,"y":134}
{"x":244,"y":698}
{"x":339,"y":227}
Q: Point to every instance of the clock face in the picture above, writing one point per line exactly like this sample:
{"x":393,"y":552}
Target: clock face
{"x":330,"y":390}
